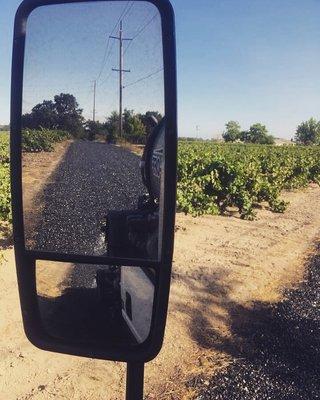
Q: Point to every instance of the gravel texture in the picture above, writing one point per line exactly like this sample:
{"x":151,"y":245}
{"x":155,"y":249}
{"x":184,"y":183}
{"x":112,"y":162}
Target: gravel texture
{"x":92,"y":179}
{"x":276,"y":349}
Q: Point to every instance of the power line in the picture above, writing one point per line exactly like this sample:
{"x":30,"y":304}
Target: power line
{"x":110,"y":51}
{"x":135,"y":36}
{"x":121,"y":70}
{"x":124,"y":13}
{"x":104,"y":60}
{"x":106,"y":54}
{"x":127,"y":12}
{"x":106,"y":80}
{"x":144,"y":78}
{"x":144,"y":27}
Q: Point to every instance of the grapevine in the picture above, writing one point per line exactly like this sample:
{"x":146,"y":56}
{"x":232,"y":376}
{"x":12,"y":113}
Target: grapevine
{"x":213,"y":177}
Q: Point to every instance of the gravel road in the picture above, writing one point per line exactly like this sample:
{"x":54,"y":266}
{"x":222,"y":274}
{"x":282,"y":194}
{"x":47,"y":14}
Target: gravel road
{"x":92,"y":179}
{"x":276,"y":349}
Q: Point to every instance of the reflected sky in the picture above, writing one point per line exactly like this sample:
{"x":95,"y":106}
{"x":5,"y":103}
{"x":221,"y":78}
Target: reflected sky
{"x":68,"y":46}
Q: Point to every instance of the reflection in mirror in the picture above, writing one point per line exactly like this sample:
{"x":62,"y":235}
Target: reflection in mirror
{"x":95,"y":304}
{"x":87,"y":125}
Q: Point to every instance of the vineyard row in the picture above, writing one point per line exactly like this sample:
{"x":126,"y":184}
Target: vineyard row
{"x":211,"y":177}
{"x":214,"y":177}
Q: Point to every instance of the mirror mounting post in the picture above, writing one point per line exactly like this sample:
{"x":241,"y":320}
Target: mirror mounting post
{"x":135,"y":378}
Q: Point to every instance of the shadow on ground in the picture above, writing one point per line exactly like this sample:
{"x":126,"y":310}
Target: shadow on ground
{"x":81,"y":316}
{"x":275,"y":347}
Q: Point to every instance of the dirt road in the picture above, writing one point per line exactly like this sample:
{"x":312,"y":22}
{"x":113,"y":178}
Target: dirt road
{"x":223,"y":266}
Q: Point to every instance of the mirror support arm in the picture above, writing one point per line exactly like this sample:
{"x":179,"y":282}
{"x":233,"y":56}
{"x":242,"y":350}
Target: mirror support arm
{"x":135,"y":378}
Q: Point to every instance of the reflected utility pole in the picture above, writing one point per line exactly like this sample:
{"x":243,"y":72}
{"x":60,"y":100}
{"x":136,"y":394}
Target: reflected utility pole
{"x":121,"y":71}
{"x":94,"y":100}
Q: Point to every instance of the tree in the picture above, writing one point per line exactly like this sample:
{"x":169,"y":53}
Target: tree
{"x":244,"y":136}
{"x":232,"y":132}
{"x":93,"y":128}
{"x":136,"y":132}
{"x":269,"y":139}
{"x":112,"y":127}
{"x":62,"y":113}
{"x":43,"y":115}
{"x":134,"y":129}
{"x":4,"y":127}
{"x":257,"y":134}
{"x":308,"y":132}
{"x":69,"y":114}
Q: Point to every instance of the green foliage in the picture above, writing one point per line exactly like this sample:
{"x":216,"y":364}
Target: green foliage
{"x":4,"y":148}
{"x":232,"y":132}
{"x":5,"y":195}
{"x":69,"y":114}
{"x":112,"y":127}
{"x":134,"y":130}
{"x":41,"y":140}
{"x":212,"y":177}
{"x":92,"y":129}
{"x":257,"y":134}
{"x":61,"y":114}
{"x":308,"y":132}
{"x":268,"y":139}
{"x":190,"y":139}
{"x":32,"y":141}
{"x":136,"y":127}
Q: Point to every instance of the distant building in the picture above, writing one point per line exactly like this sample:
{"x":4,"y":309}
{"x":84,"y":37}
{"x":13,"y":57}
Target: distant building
{"x":283,"y":142}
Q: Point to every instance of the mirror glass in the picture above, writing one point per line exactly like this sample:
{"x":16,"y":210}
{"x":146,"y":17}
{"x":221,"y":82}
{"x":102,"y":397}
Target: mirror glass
{"x":94,"y":303}
{"x":93,"y":96}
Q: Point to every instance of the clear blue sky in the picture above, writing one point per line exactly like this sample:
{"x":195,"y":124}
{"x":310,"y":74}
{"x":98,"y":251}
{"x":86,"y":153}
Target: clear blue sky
{"x":246,"y":60}
{"x":60,"y":57}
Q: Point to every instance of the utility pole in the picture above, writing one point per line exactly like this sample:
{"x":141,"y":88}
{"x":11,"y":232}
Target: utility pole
{"x":197,"y":131}
{"x":121,"y":71}
{"x":94,"y":101}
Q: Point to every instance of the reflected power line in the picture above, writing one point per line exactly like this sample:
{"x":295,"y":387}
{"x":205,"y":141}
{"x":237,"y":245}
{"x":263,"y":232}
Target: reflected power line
{"x":144,"y":78}
{"x":143,"y":28}
{"x":107,"y":54}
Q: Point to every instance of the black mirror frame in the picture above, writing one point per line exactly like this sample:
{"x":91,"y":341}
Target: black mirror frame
{"x":26,"y":259}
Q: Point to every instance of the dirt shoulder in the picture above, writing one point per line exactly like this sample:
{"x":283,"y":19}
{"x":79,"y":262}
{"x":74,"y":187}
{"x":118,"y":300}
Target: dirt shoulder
{"x":37,"y":169}
{"x":221,"y":265}
{"x":275,"y":347}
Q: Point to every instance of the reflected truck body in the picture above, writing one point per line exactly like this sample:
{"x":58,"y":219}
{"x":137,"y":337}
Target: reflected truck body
{"x":137,"y":294}
{"x":95,"y":304}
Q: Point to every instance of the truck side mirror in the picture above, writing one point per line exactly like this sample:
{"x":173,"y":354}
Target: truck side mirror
{"x":93,"y":180}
